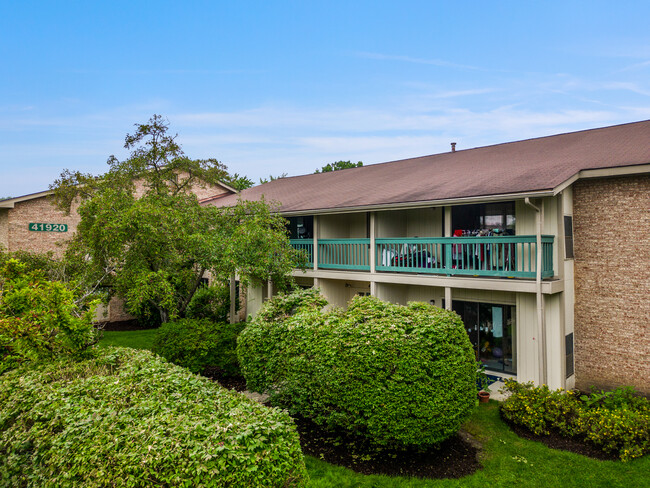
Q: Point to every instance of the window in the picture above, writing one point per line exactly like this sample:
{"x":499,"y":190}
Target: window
{"x":568,"y":237}
{"x":484,"y":216}
{"x":491,"y":328}
{"x":568,"y":351}
{"x":301,"y":227}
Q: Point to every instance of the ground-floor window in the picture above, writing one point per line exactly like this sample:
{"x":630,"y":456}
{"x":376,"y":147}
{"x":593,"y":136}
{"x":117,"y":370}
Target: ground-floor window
{"x":491,"y":328}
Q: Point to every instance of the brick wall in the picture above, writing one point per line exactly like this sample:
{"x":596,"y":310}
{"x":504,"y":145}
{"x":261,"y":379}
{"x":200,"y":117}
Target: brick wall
{"x":612,"y":282}
{"x":38,"y":210}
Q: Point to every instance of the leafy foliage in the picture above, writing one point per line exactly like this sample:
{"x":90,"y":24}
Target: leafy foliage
{"x":338,"y":165}
{"x":272,"y":178}
{"x":211,"y":302}
{"x":132,"y":419}
{"x":399,"y":376}
{"x":617,"y":421}
{"x":144,"y":236}
{"x":238,"y":182}
{"x":39,"y":319}
{"x":198,"y":344}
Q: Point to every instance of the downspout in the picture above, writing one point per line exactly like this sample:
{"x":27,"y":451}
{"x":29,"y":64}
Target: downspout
{"x":541,"y":325}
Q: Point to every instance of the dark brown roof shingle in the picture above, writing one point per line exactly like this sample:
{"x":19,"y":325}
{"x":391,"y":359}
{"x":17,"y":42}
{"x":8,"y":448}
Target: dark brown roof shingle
{"x":517,"y":167}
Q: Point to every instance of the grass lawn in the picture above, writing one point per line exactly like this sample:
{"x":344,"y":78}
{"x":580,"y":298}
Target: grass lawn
{"x":508,"y":460}
{"x":137,"y":339}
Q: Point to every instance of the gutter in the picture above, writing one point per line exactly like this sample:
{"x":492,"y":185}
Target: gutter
{"x":541,"y":323}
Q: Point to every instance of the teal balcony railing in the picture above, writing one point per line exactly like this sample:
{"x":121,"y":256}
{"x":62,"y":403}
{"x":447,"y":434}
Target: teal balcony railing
{"x":351,"y":254}
{"x":307,"y":247}
{"x":503,"y":256}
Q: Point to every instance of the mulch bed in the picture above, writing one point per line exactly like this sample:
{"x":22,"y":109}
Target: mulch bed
{"x":454,"y":458}
{"x":556,"y":441}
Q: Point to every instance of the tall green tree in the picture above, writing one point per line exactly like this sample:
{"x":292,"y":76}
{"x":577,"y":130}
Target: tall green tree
{"x":147,"y":239}
{"x":338,"y":165}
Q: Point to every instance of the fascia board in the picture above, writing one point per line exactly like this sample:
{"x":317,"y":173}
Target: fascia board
{"x":602,"y":173}
{"x":420,"y":204}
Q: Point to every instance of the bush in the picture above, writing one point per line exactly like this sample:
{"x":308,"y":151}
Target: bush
{"x":617,"y":421}
{"x":398,"y":376}
{"x":198,"y":344}
{"x":129,"y":418}
{"x":212,"y":303}
{"x":39,"y":319}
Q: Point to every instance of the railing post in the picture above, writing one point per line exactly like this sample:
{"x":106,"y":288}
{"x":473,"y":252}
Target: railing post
{"x":373,"y":247}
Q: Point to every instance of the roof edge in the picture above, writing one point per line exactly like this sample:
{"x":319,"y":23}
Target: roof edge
{"x":422,"y":203}
{"x":10,"y":202}
{"x":602,"y":173}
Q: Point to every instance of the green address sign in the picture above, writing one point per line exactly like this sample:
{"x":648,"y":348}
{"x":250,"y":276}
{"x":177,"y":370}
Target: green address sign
{"x":48,"y":227}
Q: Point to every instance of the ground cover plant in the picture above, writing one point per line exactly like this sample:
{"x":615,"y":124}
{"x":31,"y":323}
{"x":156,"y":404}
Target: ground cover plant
{"x":397,"y":376}
{"x":617,"y":421}
{"x":198,"y":344}
{"x":130,"y":418}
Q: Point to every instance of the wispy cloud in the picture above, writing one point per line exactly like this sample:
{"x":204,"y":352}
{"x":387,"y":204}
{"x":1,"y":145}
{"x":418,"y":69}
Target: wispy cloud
{"x":409,"y":59}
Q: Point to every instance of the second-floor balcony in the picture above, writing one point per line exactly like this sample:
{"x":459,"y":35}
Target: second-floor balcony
{"x":499,"y":256}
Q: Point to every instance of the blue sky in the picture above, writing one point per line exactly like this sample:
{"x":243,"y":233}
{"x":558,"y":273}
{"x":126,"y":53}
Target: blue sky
{"x":270,"y":87}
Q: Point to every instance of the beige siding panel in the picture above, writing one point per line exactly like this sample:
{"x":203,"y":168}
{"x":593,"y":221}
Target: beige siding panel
{"x":335,"y":292}
{"x":551,"y":225}
{"x":527,"y":357}
{"x":391,"y":224}
{"x":425,"y":294}
{"x":424,"y":222}
{"x":343,"y":226}
{"x":254,"y":299}
{"x":485,"y":296}
{"x":554,"y":341}
{"x":392,"y":293}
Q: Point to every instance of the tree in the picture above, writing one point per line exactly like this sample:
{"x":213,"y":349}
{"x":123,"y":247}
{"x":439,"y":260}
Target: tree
{"x":272,"y":178}
{"x":337,"y":166}
{"x":238,"y":182}
{"x":147,"y":239}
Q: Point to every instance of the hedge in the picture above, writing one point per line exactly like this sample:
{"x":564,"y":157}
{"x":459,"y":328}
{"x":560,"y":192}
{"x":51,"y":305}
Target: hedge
{"x":198,"y":344}
{"x":396,"y":375}
{"x":617,"y":421}
{"x":130,"y":419}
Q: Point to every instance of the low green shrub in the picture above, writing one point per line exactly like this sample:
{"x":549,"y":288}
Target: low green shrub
{"x":617,"y":421}
{"x":128,"y":418}
{"x":39,"y":318}
{"x":212,"y":303}
{"x":198,"y":344}
{"x":398,"y":376}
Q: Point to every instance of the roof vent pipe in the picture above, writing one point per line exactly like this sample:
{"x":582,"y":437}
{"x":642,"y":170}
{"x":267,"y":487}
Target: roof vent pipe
{"x":453,"y":147}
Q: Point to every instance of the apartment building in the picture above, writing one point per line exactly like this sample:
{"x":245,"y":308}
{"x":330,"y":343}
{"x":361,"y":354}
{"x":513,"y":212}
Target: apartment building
{"x":541,"y":246}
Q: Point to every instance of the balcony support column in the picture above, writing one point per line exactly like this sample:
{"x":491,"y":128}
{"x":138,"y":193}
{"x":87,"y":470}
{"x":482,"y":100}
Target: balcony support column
{"x":373,"y":246}
{"x":447,"y":233}
{"x":541,"y":325}
{"x":315,"y":251}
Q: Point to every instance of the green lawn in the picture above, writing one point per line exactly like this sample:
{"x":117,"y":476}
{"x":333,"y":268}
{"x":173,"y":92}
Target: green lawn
{"x":137,"y":339}
{"x":508,"y":460}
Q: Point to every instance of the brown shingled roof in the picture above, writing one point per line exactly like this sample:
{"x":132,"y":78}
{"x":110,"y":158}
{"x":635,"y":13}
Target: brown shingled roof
{"x":533,"y":165}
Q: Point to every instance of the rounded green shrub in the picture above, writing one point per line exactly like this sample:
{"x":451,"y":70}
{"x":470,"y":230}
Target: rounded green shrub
{"x":198,"y":344}
{"x":396,"y":375}
{"x":130,"y":418}
{"x":211,"y":302}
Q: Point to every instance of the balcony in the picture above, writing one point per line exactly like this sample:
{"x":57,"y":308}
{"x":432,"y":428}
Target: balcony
{"x":502,"y":256}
